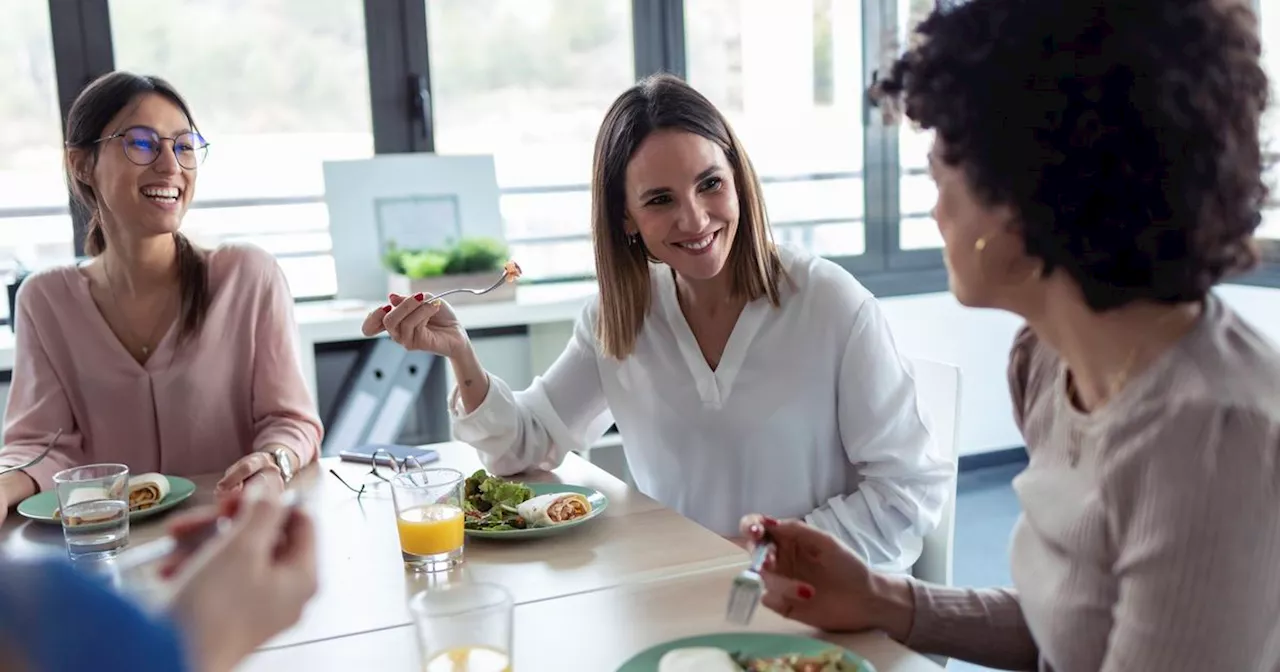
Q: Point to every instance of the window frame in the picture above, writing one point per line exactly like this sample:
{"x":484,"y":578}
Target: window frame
{"x":402,"y":106}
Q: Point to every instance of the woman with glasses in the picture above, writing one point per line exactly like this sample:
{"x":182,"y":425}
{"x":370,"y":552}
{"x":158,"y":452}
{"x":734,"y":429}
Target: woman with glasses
{"x":156,"y":353}
{"x":1099,"y":170}
{"x":741,"y":375}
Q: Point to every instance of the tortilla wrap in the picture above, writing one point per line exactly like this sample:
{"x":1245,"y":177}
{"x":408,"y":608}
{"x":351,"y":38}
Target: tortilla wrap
{"x":698,"y":659}
{"x":553,"y":509}
{"x":87,"y":493}
{"x":147,"y":490}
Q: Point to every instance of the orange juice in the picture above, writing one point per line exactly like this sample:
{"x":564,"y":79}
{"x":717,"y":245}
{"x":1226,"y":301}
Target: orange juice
{"x":469,"y":659}
{"x":430,"y":529}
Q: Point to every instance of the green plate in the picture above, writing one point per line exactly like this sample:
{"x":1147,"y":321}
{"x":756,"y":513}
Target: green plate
{"x":41,"y":506}
{"x":598,"y":504}
{"x":751,"y":644}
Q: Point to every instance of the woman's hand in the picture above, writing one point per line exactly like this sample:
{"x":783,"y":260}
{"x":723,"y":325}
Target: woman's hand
{"x":254,"y":467}
{"x":15,"y":486}
{"x":247,"y":584}
{"x":812,"y":578}
{"x":418,"y":323}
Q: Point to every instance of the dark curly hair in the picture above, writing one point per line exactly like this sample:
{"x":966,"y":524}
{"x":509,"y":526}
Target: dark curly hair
{"x":1124,"y":133}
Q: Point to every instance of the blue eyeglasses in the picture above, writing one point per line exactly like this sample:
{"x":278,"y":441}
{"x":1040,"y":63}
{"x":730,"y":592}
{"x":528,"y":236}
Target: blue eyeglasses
{"x":142,"y":146}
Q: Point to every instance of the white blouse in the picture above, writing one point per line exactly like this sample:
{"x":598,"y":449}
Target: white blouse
{"x":811,"y":414}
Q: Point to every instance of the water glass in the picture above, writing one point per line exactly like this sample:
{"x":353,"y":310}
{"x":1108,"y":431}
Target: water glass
{"x":428,"y":505}
{"x":465,"y":626}
{"x":93,"y":504}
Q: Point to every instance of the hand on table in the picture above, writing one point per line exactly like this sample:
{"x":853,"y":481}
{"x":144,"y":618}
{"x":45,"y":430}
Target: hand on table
{"x":14,"y":487}
{"x":418,"y":323}
{"x":813,"y":578}
{"x":245,"y":585}
{"x":254,"y":467}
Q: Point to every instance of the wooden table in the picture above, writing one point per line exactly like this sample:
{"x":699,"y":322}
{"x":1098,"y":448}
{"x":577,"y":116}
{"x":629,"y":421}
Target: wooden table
{"x":609,"y":627}
{"x":641,"y":574}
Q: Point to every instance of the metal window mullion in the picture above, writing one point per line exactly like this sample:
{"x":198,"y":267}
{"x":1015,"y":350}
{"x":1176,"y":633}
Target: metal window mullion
{"x":880,"y":140}
{"x":81,"y":33}
{"x":399,"y":71}
{"x":658,"y":37}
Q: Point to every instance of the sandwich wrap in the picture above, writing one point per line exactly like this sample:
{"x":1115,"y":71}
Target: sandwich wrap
{"x":553,"y":509}
{"x":147,"y":490}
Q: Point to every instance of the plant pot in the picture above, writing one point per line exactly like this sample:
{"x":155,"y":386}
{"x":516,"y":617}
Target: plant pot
{"x":400,"y":284}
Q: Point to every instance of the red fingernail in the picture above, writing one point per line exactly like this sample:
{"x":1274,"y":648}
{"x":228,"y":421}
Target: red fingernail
{"x":805,"y":592}
{"x":386,"y":309}
{"x":419,"y":296}
{"x":768,"y":522}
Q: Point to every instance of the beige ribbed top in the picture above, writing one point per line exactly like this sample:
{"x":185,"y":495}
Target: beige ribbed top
{"x":1150,"y":533}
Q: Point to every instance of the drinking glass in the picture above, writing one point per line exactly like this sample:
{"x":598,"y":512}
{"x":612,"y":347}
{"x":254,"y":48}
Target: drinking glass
{"x":465,"y":626}
{"x":428,"y":505}
{"x":93,"y":503}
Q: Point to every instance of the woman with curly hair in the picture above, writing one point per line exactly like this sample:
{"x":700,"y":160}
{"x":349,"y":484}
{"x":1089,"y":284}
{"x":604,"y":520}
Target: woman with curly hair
{"x":1099,"y":171}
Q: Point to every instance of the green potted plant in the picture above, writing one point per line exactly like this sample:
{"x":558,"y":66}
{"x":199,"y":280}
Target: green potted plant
{"x":471,"y":263}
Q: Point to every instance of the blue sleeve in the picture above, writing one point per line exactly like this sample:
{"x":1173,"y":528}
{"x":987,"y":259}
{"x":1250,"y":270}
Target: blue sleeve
{"x":54,"y":619}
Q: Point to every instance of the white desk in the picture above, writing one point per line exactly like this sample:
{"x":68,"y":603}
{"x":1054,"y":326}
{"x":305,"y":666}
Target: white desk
{"x":535,"y":305}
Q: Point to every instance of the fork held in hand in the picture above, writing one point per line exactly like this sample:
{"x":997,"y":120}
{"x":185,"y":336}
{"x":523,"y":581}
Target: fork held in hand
{"x":509,"y":274}
{"x":35,"y":460}
{"x":748,"y":587}
{"x":477,"y":292}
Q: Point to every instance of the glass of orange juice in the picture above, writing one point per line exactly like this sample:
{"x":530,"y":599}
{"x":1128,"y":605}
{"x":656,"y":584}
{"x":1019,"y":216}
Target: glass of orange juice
{"x":429,"y":518}
{"x":464,"y":627}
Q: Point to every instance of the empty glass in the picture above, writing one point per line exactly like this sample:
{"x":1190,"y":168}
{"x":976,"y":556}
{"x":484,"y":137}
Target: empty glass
{"x":465,"y":626}
{"x":428,"y":505}
{"x":93,"y":504}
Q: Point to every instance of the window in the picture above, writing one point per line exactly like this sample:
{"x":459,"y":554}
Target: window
{"x":916,"y":191}
{"x":1269,"y":233}
{"x":788,"y":77}
{"x":529,"y":81}
{"x":277,"y":88}
{"x":35,"y":223}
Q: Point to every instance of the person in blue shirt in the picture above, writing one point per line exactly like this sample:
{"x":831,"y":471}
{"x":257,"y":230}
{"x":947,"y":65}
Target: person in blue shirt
{"x":230,"y":595}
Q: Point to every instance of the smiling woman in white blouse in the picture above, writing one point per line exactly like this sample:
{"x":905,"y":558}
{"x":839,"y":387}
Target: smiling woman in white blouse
{"x":741,"y":376}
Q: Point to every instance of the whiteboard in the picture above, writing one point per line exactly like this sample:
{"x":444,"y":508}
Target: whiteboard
{"x":415,"y":199}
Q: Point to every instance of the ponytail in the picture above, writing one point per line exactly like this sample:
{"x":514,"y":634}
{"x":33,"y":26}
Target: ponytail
{"x":95,"y":242}
{"x":193,"y":282}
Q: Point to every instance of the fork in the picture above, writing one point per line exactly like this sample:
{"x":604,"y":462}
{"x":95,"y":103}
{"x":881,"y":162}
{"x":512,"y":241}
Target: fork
{"x":35,"y":460}
{"x":748,"y":587}
{"x":506,"y":273}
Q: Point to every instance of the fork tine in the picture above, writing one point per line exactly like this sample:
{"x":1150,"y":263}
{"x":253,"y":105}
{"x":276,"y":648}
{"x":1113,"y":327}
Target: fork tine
{"x":748,"y":587}
{"x":742,"y":603}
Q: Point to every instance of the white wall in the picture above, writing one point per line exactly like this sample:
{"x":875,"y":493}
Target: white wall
{"x":936,"y":326}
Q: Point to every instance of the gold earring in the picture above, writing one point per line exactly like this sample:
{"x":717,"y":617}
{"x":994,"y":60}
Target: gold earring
{"x":980,"y":244}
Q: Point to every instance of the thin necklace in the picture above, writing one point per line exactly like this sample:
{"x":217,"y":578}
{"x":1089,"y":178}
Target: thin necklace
{"x":115,"y":301}
{"x":1116,"y":381}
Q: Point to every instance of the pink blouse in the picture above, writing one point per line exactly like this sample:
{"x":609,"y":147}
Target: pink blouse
{"x":194,"y":408}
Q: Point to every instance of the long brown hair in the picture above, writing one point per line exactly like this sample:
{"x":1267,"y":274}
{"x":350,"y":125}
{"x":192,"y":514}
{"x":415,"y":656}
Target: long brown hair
{"x":622,"y":266}
{"x":87,"y":121}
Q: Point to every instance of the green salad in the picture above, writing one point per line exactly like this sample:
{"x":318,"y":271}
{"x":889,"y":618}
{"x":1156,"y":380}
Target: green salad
{"x":490,"y":503}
